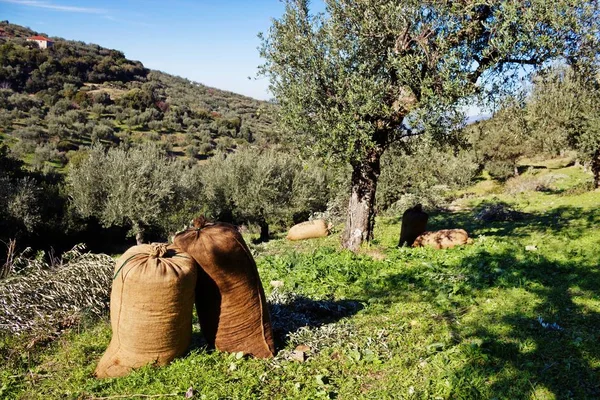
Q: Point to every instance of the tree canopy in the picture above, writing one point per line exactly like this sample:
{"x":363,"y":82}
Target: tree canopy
{"x":263,"y":187}
{"x":137,"y":188}
{"x":564,"y":111}
{"x":366,"y":74}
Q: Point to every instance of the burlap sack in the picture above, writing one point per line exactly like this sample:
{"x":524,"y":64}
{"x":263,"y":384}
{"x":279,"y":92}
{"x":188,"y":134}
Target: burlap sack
{"x":414,"y":223}
{"x":150,"y":308}
{"x":230,"y":300}
{"x":308,"y":230}
{"x":443,"y":239}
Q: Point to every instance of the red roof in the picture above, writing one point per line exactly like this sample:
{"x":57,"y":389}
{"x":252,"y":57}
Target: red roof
{"x":45,"y":39}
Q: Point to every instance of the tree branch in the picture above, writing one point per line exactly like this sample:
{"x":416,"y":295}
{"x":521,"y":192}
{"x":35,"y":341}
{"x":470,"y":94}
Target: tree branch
{"x":531,"y":61}
{"x":409,"y":132}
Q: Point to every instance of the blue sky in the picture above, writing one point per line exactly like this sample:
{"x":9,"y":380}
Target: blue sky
{"x":211,"y":42}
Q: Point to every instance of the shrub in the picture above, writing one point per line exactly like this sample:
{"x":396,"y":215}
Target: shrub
{"x":22,"y":148}
{"x":137,"y":99}
{"x":500,"y":169}
{"x":103,"y":132}
{"x":30,"y":133}
{"x":23,"y":205}
{"x":73,"y":116}
{"x":205,"y":148}
{"x":24,"y":102}
{"x":422,"y":174}
{"x":43,"y":154}
{"x":5,"y":119}
{"x":5,"y":94}
{"x":155,"y":125}
{"x":191,"y":151}
{"x":61,"y":107}
{"x":101,"y":98}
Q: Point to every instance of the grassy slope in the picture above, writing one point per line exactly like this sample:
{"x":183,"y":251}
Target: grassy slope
{"x":256,"y":115}
{"x":396,"y":323}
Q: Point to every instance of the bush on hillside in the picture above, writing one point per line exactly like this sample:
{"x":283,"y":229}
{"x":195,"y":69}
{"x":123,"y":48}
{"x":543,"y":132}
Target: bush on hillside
{"x":529,"y":183}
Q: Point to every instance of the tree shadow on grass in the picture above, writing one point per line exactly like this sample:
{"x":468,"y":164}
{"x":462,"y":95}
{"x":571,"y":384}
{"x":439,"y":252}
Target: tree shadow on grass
{"x":290,"y":312}
{"x":553,"y":221}
{"x":548,"y":343}
{"x":562,"y":354}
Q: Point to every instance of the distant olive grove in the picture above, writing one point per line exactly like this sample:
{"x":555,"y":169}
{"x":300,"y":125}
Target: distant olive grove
{"x":144,"y":189}
{"x":560,"y":113}
{"x":152,"y":194}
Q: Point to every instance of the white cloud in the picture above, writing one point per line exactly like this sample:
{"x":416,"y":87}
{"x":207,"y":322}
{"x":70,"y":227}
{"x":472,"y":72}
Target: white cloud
{"x":55,"y":7}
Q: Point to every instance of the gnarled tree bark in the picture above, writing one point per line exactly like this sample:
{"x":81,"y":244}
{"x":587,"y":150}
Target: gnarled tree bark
{"x":360,"y":219}
{"x":139,"y":233}
{"x":596,"y":168}
{"x":264,"y":231}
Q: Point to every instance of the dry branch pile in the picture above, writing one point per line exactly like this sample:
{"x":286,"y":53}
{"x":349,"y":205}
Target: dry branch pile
{"x":44,"y":297}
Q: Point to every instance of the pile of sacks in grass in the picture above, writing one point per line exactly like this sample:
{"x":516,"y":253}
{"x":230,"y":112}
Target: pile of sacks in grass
{"x":155,"y":287}
{"x":413,"y":232}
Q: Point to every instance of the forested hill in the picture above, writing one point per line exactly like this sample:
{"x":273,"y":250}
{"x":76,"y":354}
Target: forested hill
{"x":57,"y":100}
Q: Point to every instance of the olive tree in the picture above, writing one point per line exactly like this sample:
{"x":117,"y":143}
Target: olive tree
{"x":139,"y":187}
{"x":366,"y":74}
{"x":423,"y":172}
{"x":564,"y":110}
{"x":262,"y":187}
{"x":502,"y":140}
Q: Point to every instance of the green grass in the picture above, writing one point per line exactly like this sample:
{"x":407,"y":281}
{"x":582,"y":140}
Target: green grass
{"x":466,"y":323}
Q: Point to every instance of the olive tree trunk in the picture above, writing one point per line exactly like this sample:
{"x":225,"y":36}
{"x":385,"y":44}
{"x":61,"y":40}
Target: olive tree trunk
{"x":596,"y":168}
{"x":139,"y":238}
{"x":360,"y":219}
{"x":139,"y":233}
{"x":264,"y":231}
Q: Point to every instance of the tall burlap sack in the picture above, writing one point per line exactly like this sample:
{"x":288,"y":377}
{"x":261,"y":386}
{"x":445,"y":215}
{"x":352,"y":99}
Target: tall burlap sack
{"x":443,"y":239}
{"x":150,"y":308}
{"x":414,"y":223}
{"x":307,"y":230}
{"x":230,"y":300}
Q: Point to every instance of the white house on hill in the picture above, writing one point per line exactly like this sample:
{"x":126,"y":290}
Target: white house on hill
{"x":42,"y":41}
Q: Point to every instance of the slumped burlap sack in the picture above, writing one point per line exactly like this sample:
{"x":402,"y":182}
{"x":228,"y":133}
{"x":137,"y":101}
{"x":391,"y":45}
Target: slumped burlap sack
{"x":230,"y":300}
{"x":150,"y":309}
{"x":414,"y":223}
{"x":308,"y":230}
{"x":443,"y":239}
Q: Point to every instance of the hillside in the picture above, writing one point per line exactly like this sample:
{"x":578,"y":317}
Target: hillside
{"x":56,"y":101}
